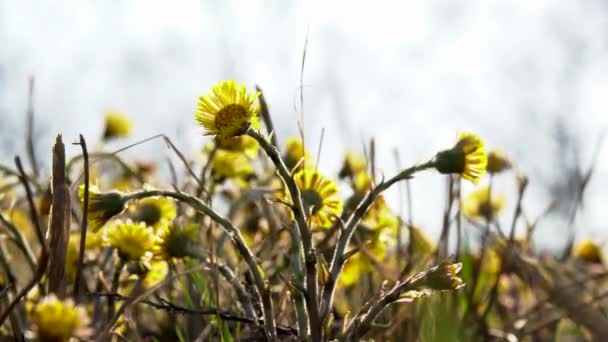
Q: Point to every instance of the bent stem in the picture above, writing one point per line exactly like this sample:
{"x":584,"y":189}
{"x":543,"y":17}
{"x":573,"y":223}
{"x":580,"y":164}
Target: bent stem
{"x":234,"y":233}
{"x":302,"y":236}
{"x":351,"y":224}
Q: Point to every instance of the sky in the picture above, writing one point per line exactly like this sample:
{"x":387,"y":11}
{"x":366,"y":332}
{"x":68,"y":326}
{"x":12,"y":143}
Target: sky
{"x":410,"y":74}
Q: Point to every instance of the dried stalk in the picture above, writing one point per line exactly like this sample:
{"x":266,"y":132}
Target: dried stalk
{"x":59,"y":225}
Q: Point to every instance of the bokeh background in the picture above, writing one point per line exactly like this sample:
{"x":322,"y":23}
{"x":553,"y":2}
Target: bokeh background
{"x":529,"y":77}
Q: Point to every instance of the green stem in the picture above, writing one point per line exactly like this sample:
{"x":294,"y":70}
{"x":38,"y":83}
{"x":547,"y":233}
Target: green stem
{"x":234,"y":233}
{"x":351,"y":224}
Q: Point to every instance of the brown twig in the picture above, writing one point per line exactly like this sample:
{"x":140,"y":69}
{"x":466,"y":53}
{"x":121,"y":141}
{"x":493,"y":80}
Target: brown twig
{"x":265,"y":113}
{"x":29,"y":115}
{"x":85,"y":216}
{"x":59,"y":224}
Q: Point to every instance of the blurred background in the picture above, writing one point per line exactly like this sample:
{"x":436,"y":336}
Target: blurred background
{"x":529,"y":77}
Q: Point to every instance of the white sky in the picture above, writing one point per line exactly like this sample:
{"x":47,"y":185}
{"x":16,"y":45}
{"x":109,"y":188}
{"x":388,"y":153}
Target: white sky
{"x":409,"y":73}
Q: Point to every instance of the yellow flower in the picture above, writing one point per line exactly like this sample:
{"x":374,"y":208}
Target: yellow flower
{"x":157,"y":272}
{"x":176,"y":241}
{"x":467,"y":158}
{"x":117,"y":126}
{"x":589,"y":251}
{"x":296,"y":155}
{"x":319,"y":197}
{"x":231,"y":165}
{"x":479,"y":205}
{"x":422,"y":245}
{"x":443,"y":277}
{"x":132,"y":240}
{"x":360,"y":263}
{"x":228,"y":110}
{"x":362,"y":183}
{"x":497,"y":162}
{"x":243,"y":143}
{"x":102,"y":206}
{"x":93,"y":241}
{"x":57,"y":321}
{"x":155,"y":212}
{"x":353,"y":164}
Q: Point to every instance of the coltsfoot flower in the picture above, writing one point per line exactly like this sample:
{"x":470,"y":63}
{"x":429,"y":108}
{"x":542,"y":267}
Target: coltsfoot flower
{"x":243,"y":144}
{"x":228,"y":110}
{"x":589,"y":251}
{"x":231,"y":165}
{"x":155,"y":212}
{"x":497,"y":162}
{"x":93,"y":241}
{"x":444,"y":277}
{"x":319,"y":196}
{"x":57,"y":321}
{"x":176,"y":241}
{"x":102,"y":205}
{"x":117,"y":126}
{"x":295,"y":154}
{"x":478,"y":204}
{"x":360,"y":263}
{"x":467,"y":158}
{"x":352,"y":165}
{"x":131,"y":240}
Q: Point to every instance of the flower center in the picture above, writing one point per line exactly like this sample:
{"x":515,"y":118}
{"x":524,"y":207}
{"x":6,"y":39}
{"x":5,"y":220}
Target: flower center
{"x":231,"y":120}
{"x":312,"y":199}
{"x":148,"y":213}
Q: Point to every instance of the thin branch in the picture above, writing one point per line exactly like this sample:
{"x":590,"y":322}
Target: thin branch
{"x":265,"y":113}
{"x":30,"y":128}
{"x":85,"y":216}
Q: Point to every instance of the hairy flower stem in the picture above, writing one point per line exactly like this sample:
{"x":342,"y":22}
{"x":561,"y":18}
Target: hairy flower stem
{"x":236,"y":236}
{"x":350,"y":226}
{"x":303,"y":239}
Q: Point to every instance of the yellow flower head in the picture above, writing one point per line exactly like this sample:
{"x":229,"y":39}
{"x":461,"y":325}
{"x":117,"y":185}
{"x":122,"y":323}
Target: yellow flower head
{"x":497,"y":162}
{"x":443,"y":277}
{"x":155,"y":212}
{"x":467,"y":158}
{"x":243,"y":143}
{"x":319,"y":196}
{"x":231,"y":165}
{"x":353,"y":164}
{"x":360,"y":263}
{"x":589,"y":251}
{"x":479,"y":205}
{"x":117,"y":126}
{"x":157,"y":272}
{"x":57,"y":321}
{"x":379,"y":218}
{"x":176,"y":241}
{"x":132,"y":240}
{"x":102,"y":205}
{"x":93,"y":241}
{"x":422,"y":245}
{"x":296,"y":155}
{"x":228,"y":110}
